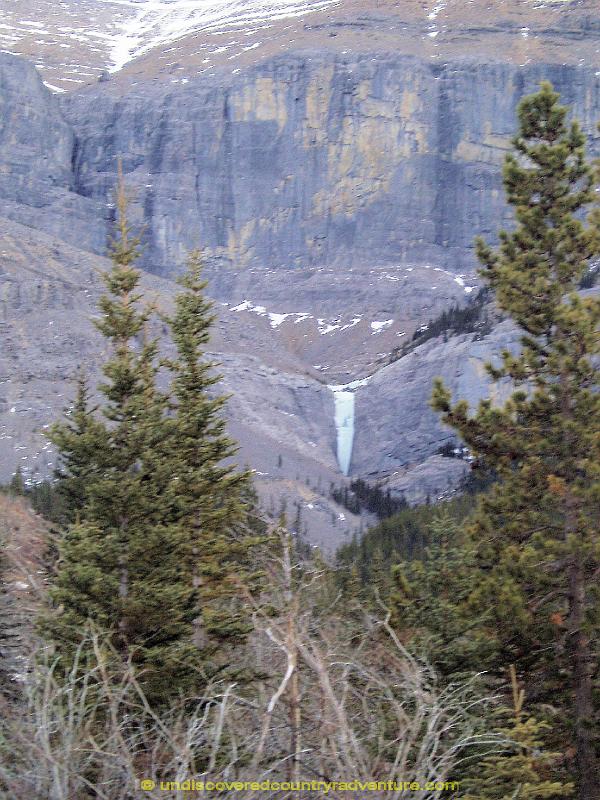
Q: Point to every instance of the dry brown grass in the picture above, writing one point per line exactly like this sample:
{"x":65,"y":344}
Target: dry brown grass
{"x":24,"y":539}
{"x":335,"y":699}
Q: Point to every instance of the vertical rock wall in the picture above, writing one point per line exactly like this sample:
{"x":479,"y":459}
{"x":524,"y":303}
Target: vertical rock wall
{"x":311,"y":160}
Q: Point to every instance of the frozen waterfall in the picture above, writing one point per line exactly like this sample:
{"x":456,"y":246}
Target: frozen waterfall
{"x":344,"y":424}
{"x":343,"y":396}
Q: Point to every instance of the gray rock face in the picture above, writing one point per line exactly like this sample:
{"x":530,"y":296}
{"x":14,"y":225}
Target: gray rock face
{"x":305,"y":160}
{"x":36,"y":143}
{"x":434,"y":478}
{"x":36,"y":152}
{"x":396,"y":430}
{"x":320,"y":159}
{"x":330,"y":188}
{"x":282,"y":417}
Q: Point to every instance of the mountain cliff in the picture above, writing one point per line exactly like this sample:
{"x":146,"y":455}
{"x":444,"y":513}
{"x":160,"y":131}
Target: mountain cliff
{"x":311,"y":153}
{"x":334,"y":166}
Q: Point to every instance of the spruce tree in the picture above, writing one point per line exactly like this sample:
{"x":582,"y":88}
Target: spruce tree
{"x":521,"y":770}
{"x":206,"y":495}
{"x":429,"y":601}
{"x":536,"y":531}
{"x":123,"y":564}
{"x":162,"y":523}
{"x":82,"y":441}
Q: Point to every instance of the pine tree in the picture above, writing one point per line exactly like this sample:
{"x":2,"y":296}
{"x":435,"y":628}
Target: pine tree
{"x":123,"y":564}
{"x":520,"y":771}
{"x":536,"y":530}
{"x":206,"y":495}
{"x":430,"y":602}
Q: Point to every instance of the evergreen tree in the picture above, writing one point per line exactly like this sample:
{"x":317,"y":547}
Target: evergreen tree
{"x":400,"y":538}
{"x":123,"y":564}
{"x":46,"y":500}
{"x":82,"y":441}
{"x":519,"y":772}
{"x":17,"y":484}
{"x":430,"y":602}
{"x":351,"y":585}
{"x":379,"y":576}
{"x":536,"y":530}
{"x":206,"y":496}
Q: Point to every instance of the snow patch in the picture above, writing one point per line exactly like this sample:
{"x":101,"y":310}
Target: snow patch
{"x":277,"y":319}
{"x":460,"y":279}
{"x":246,"y":305}
{"x":378,"y":327}
{"x":151,"y":23}
{"x":54,"y":88}
{"x":326,"y":327}
{"x":433,"y":14}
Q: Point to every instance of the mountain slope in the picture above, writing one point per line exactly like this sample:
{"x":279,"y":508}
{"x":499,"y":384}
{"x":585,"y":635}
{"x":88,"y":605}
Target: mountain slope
{"x":24,"y":539}
{"x":334,"y":175}
{"x":77,"y":40}
{"x":74,"y":42}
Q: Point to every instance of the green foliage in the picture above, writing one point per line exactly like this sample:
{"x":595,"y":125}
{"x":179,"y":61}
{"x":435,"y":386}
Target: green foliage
{"x":521,"y":770}
{"x":205,"y":494}
{"x":590,"y":278}
{"x":155,"y":515}
{"x":16,"y":486}
{"x":121,"y":564}
{"x":471,"y":318}
{"x":402,"y":537}
{"x":536,"y":530}
{"x":361,"y":496}
{"x":47,"y":500}
{"x":430,"y":600}
{"x":474,"y":317}
{"x":80,"y":439}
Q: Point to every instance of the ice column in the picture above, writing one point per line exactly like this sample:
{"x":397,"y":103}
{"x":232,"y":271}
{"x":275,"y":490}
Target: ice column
{"x":344,"y":399}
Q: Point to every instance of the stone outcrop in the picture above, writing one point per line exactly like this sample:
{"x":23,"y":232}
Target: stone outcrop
{"x":300,"y":163}
{"x":335,"y":183}
{"x":317,"y":160}
{"x":36,"y":154}
{"x":398,"y":433}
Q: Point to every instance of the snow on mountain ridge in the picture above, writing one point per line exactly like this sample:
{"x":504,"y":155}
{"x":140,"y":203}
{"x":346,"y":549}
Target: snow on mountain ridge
{"x":158,"y":22}
{"x":73,"y":41}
